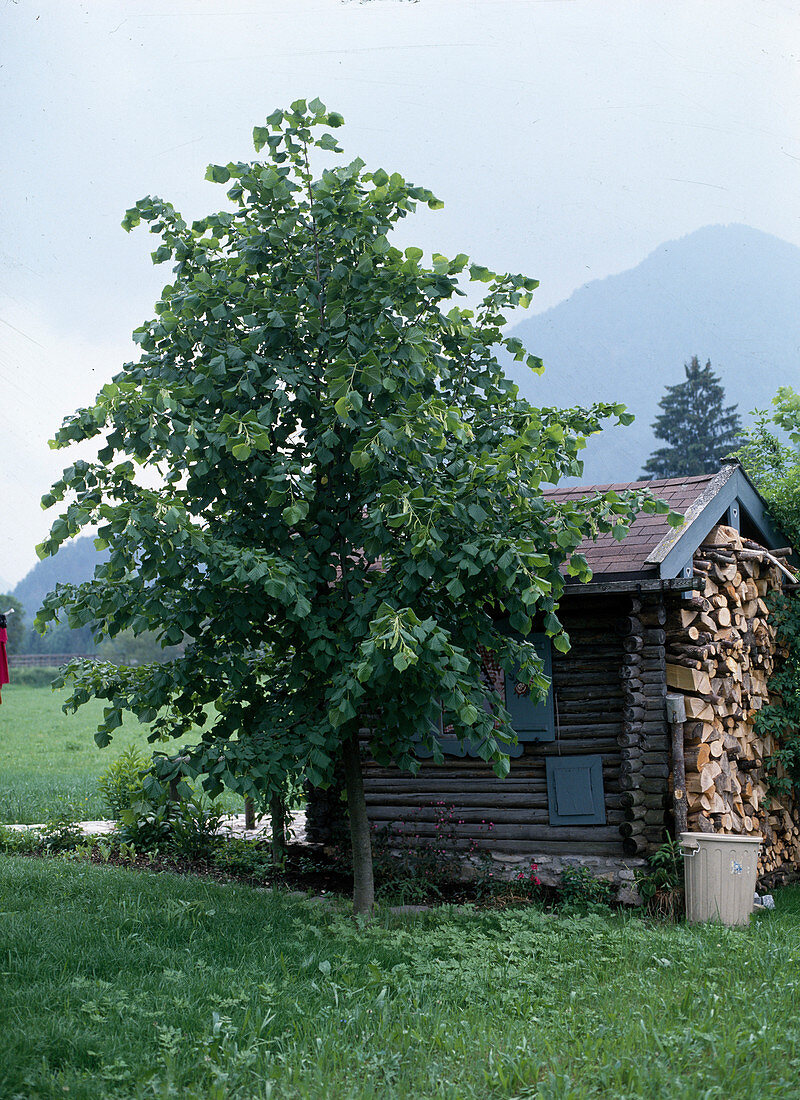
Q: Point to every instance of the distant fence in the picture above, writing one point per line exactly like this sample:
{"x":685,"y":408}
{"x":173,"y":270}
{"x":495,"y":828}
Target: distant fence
{"x":46,"y":660}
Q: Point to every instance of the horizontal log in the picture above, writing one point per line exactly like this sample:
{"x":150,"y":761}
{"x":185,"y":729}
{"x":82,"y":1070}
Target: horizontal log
{"x":635,"y":845}
{"x":576,"y":708}
{"x":473,"y":807}
{"x":424,"y":820}
{"x":593,"y":690}
{"x":630,"y":799}
{"x":653,"y":616}
{"x":655,"y":771}
{"x":609,"y":725}
{"x":656,"y":690}
{"x":512,"y":834}
{"x":559,"y":845}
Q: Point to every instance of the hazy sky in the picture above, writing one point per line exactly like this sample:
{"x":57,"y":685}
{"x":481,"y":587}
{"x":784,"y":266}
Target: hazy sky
{"x":568,"y":138}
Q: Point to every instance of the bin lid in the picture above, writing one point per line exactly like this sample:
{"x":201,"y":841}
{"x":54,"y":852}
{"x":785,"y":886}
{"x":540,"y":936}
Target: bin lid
{"x":714,"y":838}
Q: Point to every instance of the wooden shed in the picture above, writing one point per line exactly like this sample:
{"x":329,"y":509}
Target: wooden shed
{"x":668,"y":610}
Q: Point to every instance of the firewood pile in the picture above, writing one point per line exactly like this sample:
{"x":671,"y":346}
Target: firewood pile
{"x":720,"y":654}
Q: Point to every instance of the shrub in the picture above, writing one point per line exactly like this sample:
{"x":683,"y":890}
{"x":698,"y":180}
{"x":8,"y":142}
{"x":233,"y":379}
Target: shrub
{"x":121,"y":782}
{"x":580,"y":890}
{"x":248,"y":858}
{"x":33,"y":677}
{"x":661,"y":883}
{"x":524,"y":887}
{"x":182,"y":827}
{"x":61,"y":836}
{"x":410,"y":868}
{"x":18,"y":841}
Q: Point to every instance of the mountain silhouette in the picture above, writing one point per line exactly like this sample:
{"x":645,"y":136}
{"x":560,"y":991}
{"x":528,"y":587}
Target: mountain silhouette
{"x":75,"y":562}
{"x":725,"y":293}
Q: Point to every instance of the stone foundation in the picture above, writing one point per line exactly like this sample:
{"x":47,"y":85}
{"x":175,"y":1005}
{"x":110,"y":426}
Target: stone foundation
{"x":505,"y":867}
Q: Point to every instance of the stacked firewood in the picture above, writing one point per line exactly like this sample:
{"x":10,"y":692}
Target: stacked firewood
{"x":720,"y":654}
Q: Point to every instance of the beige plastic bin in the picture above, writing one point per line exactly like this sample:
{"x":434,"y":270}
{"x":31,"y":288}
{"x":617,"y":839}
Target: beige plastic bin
{"x":720,"y":876}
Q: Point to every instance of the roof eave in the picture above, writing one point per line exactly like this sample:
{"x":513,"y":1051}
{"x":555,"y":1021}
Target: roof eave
{"x":675,"y":550}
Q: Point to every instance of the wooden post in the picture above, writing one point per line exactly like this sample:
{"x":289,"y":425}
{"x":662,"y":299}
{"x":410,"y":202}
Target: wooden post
{"x":277,"y":813}
{"x":676,"y":716}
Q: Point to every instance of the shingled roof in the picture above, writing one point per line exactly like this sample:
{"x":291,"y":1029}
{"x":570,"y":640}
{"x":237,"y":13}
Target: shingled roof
{"x":653,"y":549}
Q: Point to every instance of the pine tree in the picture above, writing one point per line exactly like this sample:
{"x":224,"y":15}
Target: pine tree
{"x":697,"y":427}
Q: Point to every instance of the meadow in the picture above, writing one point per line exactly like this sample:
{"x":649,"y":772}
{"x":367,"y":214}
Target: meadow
{"x":50,"y":762}
{"x":126,"y":984}
{"x":133,"y":983}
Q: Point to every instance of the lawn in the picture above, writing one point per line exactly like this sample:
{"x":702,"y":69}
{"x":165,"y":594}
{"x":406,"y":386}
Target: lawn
{"x":129,"y":984}
{"x":50,"y":761}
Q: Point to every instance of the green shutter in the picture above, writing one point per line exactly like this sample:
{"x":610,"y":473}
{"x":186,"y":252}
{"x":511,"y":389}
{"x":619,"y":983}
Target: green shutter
{"x":575,"y":790}
{"x":449,"y":745}
{"x":532,"y":720}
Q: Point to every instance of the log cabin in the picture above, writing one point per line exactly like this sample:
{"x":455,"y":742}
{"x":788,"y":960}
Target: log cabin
{"x":604,"y":767}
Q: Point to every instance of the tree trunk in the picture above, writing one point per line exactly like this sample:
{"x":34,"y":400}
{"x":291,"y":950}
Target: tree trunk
{"x":249,"y":814}
{"x":363,"y":886}
{"x":277,"y":816}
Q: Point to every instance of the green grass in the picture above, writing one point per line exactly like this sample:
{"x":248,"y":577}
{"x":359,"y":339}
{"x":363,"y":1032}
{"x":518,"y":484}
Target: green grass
{"x":50,"y":763}
{"x":123,"y":984}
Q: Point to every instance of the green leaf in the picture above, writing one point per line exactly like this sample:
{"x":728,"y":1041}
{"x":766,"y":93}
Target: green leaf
{"x":241,"y":451}
{"x":468,"y":714}
{"x":480,"y":274}
{"x":217,"y":173}
{"x":295,"y":513}
{"x":520,"y":622}
{"x":260,"y":137}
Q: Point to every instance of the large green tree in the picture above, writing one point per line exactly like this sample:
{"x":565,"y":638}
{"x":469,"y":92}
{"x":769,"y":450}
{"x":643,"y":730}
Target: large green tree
{"x":770,"y":452}
{"x":696,"y":425}
{"x":350,"y":503}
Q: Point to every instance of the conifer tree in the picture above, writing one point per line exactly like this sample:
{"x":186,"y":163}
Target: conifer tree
{"x":698,"y":428}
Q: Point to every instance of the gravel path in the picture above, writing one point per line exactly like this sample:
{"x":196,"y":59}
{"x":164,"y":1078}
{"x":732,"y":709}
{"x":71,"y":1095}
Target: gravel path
{"x":233,"y":825}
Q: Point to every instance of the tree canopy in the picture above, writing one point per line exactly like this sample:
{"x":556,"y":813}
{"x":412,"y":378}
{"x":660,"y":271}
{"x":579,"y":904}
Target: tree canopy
{"x":350,"y":507}
{"x":694,"y":422}
{"x":770,"y":452}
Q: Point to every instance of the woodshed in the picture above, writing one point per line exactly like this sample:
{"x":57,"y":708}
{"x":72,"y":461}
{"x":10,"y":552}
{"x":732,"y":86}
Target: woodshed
{"x":668,"y":611}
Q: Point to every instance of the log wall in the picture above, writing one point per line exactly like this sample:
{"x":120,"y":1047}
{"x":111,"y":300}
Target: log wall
{"x":644,"y":739}
{"x":609,"y":701}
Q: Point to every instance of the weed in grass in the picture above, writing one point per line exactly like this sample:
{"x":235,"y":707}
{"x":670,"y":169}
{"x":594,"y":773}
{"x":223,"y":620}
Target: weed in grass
{"x":61,"y":836}
{"x":18,"y":841}
{"x":581,"y":892}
